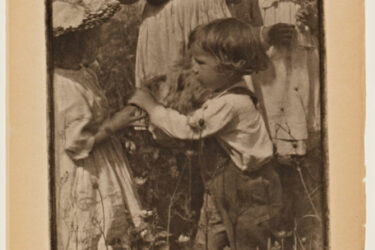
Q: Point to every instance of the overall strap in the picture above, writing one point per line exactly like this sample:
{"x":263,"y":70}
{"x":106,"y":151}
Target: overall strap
{"x":262,"y":108}
{"x":257,"y":100}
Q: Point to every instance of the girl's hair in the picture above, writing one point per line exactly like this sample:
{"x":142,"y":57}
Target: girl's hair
{"x":72,"y":47}
{"x":68,"y":47}
{"x":233,"y":43}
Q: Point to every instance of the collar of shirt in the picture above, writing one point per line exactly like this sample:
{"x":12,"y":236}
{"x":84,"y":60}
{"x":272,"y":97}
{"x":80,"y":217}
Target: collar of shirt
{"x":225,"y":91}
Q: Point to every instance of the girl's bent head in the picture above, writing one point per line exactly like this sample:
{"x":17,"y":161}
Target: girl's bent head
{"x":233,"y":43}
{"x":76,"y":48}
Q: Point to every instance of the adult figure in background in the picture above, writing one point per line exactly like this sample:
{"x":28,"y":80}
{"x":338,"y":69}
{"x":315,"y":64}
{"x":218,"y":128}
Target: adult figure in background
{"x":163,"y":34}
{"x":290,"y":86}
{"x":290,"y":89}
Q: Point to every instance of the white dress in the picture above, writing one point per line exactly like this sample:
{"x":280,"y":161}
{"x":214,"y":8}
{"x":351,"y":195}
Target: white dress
{"x":163,"y":37}
{"x":95,"y":197}
{"x":291,"y":84}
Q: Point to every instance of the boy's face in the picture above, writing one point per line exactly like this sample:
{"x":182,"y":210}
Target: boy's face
{"x":206,"y":68}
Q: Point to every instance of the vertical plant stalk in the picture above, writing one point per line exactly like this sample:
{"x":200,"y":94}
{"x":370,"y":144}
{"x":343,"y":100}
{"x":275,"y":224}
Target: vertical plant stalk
{"x":295,"y":244}
{"x":190,"y":183}
{"x":303,"y":180}
{"x":96,"y":186}
{"x":171,"y":202}
{"x":206,"y":223}
{"x":76,"y":235}
{"x":200,"y":153}
{"x":102,"y":229}
{"x":269,"y":244}
{"x":300,"y":242}
{"x":307,"y":192}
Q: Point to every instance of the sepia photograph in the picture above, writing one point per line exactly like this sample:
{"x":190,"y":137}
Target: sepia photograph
{"x":187,"y":124}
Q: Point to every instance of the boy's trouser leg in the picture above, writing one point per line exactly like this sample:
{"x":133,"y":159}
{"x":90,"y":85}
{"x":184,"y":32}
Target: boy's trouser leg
{"x":211,"y":240}
{"x":252,"y":237}
{"x":211,"y":234}
{"x":217,"y":240}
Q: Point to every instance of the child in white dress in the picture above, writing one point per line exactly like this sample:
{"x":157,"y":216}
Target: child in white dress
{"x":96,"y":200}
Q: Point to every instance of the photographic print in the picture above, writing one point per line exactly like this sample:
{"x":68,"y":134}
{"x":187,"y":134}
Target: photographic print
{"x":187,"y":124}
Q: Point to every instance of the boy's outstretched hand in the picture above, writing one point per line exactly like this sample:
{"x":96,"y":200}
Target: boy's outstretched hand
{"x":143,"y":99}
{"x":125,"y":117}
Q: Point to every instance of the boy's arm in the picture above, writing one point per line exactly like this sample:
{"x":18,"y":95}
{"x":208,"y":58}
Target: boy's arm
{"x":202,"y":123}
{"x":208,"y":120}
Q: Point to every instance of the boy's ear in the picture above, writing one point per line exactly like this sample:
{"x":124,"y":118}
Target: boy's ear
{"x":239,"y":64}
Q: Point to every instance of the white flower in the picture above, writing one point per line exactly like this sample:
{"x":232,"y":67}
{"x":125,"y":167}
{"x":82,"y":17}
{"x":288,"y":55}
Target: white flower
{"x":155,"y":154}
{"x":144,"y":233}
{"x":183,"y":238}
{"x":281,"y":234}
{"x":189,"y":153}
{"x":276,"y":246}
{"x":140,"y":181}
{"x":130,"y":146}
{"x":146,"y":213}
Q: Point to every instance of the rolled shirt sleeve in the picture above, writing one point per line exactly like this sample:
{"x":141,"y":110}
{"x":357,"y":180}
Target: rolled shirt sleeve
{"x":78,"y":128}
{"x":79,"y":140}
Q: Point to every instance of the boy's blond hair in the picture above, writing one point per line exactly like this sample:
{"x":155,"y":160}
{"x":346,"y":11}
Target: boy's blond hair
{"x":233,"y":43}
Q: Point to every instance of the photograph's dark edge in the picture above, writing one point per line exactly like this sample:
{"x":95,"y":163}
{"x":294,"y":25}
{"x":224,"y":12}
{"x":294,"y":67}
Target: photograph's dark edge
{"x":324,"y":124}
{"x":50,"y":122}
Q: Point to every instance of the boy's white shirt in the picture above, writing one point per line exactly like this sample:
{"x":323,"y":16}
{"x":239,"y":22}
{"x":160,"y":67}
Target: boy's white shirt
{"x":231,"y":118}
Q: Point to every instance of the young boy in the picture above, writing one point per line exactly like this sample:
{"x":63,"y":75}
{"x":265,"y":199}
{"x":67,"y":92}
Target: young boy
{"x":243,"y":192}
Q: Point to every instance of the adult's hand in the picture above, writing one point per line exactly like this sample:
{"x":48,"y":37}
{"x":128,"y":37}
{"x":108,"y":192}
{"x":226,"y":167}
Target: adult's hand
{"x":280,"y":34}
